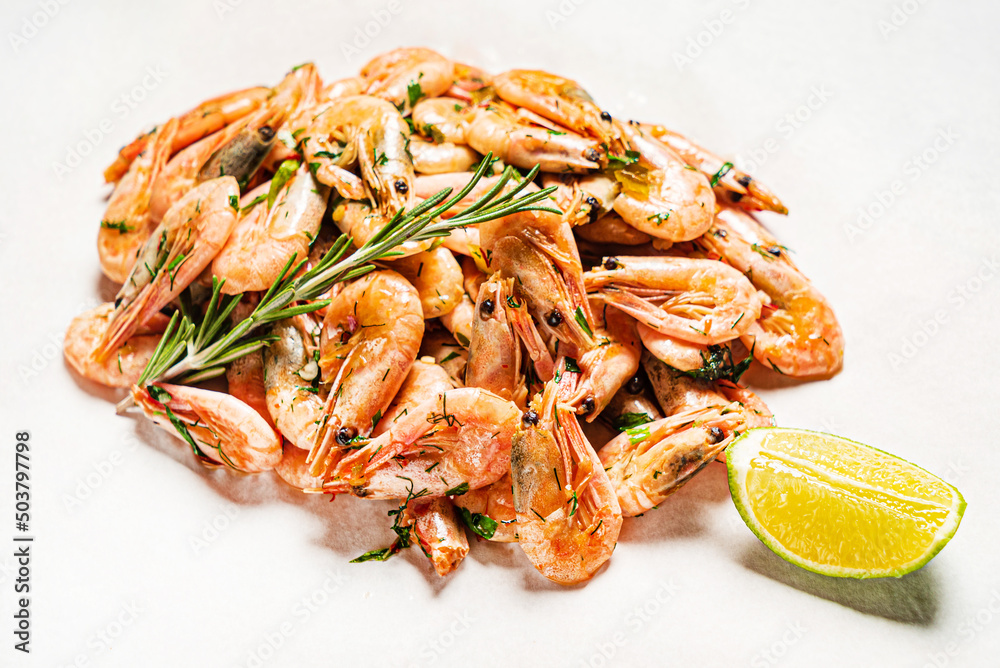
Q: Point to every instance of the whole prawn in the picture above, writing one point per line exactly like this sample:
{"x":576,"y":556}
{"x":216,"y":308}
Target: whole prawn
{"x":701,"y":301}
{"x":456,"y":441}
{"x":371,"y":336}
{"x":568,"y":516}
{"x":184,"y":243}
{"x":797,"y":333}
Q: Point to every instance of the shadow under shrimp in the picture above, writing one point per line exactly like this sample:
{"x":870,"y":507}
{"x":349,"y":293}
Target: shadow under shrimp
{"x":760,"y":377}
{"x":244,"y":489}
{"x":346,"y":532}
{"x":111,"y":395}
{"x":682,"y":514}
{"x":106,"y":288}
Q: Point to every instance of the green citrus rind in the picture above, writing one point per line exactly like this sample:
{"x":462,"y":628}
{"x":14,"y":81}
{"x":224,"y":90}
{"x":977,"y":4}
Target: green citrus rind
{"x":736,"y":456}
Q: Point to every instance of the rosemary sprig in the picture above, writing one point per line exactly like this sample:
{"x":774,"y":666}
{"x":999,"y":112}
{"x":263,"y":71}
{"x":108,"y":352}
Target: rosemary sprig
{"x":191,"y":351}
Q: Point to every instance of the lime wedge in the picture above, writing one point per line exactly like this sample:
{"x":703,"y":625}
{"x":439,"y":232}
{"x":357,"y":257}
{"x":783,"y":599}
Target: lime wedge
{"x":837,"y":507}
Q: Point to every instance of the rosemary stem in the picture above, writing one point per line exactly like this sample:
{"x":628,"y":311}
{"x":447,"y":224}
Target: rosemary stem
{"x":207,"y":351}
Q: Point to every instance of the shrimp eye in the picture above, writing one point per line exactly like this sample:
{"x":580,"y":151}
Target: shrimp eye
{"x":554,"y":319}
{"x":266,"y":133}
{"x":401,"y":187}
{"x":588,"y":405}
{"x":595,"y":207}
{"x":611,"y":263}
{"x":744,"y":180}
{"x":345,"y":435}
{"x":530,"y":418}
{"x":775,"y":251}
{"x":487,"y":306}
{"x":715,"y":434}
{"x":592,"y":154}
{"x":634,"y":385}
{"x":605,"y":116}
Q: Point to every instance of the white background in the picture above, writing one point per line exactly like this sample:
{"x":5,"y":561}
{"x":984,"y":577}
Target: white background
{"x":118,"y":508}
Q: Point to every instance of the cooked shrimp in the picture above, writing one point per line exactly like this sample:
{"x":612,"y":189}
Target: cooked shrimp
{"x":294,"y":396}
{"x":554,"y":300}
{"x":441,"y":158}
{"x":534,"y":343}
{"x":184,"y":243}
{"x":611,"y":229}
{"x":568,"y":517}
{"x":371,"y":335}
{"x":428,"y":185}
{"x":443,"y":119}
{"x":461,"y":240}
{"x":220,"y":428}
{"x":438,"y":532}
{"x":730,"y":183}
{"x":404,"y":76}
{"x":270,"y":232}
{"x":633,"y":404}
{"x":441,"y":346}
{"x":459,"y":320}
{"x":344,"y":88}
{"x":245,"y":375}
{"x":677,"y":392}
{"x":561,"y":100}
{"x":473,"y":278}
{"x":497,"y":129}
{"x":245,"y":379}
{"x":583,"y":199}
{"x":495,"y":351}
{"x":362,"y":223}
{"x":293,"y":468}
{"x":456,"y":441}
{"x":120,"y":369}
{"x":427,"y":378}
{"x":208,"y":117}
{"x":610,"y":364}
{"x":681,"y":355}
{"x":660,"y":195}
{"x":437,"y":276}
{"x":128,"y":221}
{"x":649,"y":462}
{"x":797,"y":333}
{"x":310,"y":94}
{"x":706,"y":302}
{"x":370,"y":133}
{"x":235,"y":150}
{"x":710,"y":362}
{"x":496,"y":502}
{"x":537,"y":248}
{"x":469,"y":78}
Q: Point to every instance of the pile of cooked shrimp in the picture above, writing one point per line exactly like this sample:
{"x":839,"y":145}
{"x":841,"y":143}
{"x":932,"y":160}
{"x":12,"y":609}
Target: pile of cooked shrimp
{"x":457,"y":376}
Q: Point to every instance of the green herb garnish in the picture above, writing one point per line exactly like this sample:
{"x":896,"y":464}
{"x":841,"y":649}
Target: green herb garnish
{"x":119,"y":225}
{"x":480,"y":524}
{"x":627,"y":421}
{"x":725,"y":169}
{"x":285,"y":172}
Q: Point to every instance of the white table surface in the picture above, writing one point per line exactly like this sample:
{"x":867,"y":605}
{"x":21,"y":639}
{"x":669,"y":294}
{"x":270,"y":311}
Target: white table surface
{"x":833,"y":102}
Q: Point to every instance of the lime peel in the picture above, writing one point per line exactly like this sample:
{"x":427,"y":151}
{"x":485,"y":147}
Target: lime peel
{"x":839,"y":507}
